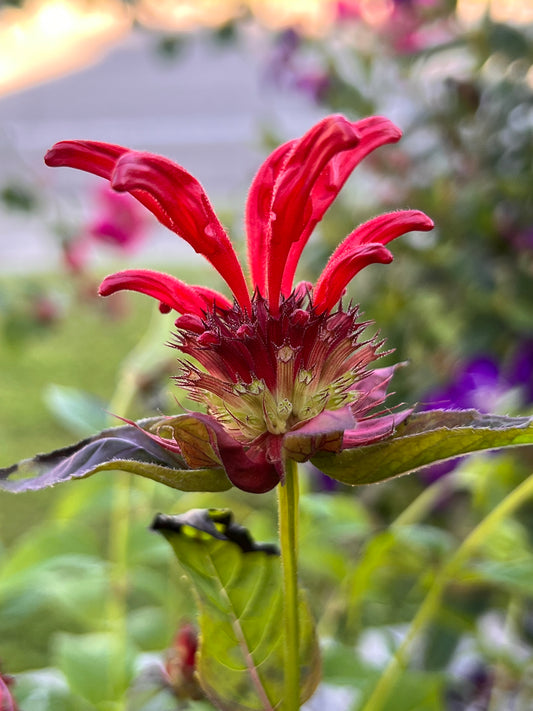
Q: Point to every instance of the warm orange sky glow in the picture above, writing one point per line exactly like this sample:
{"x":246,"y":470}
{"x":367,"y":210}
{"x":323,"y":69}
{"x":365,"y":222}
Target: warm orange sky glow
{"x":516,"y":11}
{"x":47,"y":38}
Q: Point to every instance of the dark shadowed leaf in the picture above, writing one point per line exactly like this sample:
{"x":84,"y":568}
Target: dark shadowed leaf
{"x":425,"y":438}
{"x":239,"y":590}
{"x":125,"y":448}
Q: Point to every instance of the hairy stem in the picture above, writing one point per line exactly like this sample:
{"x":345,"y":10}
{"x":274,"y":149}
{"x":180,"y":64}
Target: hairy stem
{"x":288,"y":533}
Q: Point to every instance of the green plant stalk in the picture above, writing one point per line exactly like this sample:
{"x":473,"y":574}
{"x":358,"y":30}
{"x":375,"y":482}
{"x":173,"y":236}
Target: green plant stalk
{"x":417,"y":510}
{"x":433,"y":598}
{"x":119,"y":529}
{"x":288,"y":496}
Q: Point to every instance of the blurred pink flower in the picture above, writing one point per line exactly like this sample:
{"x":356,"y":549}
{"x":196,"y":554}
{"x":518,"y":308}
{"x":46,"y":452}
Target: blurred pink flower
{"x":7,"y":702}
{"x":117,"y":221}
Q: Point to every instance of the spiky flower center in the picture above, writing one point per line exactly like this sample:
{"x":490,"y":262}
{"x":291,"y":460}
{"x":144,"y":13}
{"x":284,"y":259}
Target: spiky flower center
{"x":262,"y":374}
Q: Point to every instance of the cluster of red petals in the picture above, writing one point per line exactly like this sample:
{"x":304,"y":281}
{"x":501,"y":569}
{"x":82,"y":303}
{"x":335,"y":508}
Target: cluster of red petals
{"x":290,"y":194}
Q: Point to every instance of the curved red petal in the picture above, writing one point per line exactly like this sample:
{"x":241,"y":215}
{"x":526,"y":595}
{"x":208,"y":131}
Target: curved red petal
{"x":259,"y":213}
{"x":291,"y":202}
{"x":338,"y":273}
{"x":178,"y":201}
{"x":384,"y":228}
{"x":374,"y":132}
{"x":363,"y":246}
{"x":90,"y":156}
{"x":166,"y":289}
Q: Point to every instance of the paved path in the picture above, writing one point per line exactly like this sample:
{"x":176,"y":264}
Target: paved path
{"x":204,"y":109}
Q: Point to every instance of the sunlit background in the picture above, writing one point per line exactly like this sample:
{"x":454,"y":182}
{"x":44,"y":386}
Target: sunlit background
{"x":42,"y":39}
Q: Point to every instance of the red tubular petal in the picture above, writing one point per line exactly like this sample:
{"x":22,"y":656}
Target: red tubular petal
{"x":166,"y":289}
{"x":91,"y":156}
{"x":338,"y":273}
{"x":291,"y":201}
{"x":383,"y":229}
{"x":180,"y":203}
{"x":363,"y":246}
{"x":259,"y":213}
{"x":374,"y":132}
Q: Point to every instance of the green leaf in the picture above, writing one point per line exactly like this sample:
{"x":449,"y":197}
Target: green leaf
{"x":47,"y":690}
{"x":515,"y":576}
{"x":425,"y":438}
{"x":125,"y":448}
{"x":239,"y":590}
{"x":99,"y":666}
{"x":80,"y":413}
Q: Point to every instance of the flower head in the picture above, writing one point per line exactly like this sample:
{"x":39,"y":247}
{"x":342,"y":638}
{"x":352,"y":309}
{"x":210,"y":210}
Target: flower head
{"x":283,"y":368}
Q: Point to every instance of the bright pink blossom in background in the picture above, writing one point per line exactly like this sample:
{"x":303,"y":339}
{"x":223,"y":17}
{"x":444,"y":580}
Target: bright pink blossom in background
{"x":117,"y":220}
{"x":7,"y":702}
{"x":283,"y":368}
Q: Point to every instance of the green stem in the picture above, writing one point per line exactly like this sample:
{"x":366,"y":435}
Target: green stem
{"x":288,"y":534}
{"x":119,"y":528}
{"x":433,"y":598}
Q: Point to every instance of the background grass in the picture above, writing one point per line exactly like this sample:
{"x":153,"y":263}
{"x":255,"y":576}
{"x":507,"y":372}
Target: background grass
{"x":83,"y":350}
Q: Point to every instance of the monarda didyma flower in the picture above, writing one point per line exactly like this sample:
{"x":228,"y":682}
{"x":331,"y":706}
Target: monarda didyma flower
{"x":283,"y":369}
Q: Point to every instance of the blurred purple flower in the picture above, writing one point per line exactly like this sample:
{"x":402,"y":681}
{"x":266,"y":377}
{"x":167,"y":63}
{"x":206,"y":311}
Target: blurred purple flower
{"x":523,"y":239}
{"x":484,"y":385}
{"x":287,"y":69}
{"x":477,"y":384}
{"x":313,"y":83}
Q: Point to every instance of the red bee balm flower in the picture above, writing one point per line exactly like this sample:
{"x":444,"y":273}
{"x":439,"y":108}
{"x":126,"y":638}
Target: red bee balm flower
{"x":283,"y":370}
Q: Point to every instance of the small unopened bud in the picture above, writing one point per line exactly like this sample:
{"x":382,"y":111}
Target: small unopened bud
{"x":245,"y":331}
{"x":208,"y":338}
{"x":299,"y":317}
{"x":190,"y":322}
{"x":181,"y":664}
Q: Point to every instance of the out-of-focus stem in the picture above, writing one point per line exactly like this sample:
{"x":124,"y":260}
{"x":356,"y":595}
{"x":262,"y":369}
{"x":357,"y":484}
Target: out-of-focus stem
{"x":431,"y":602}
